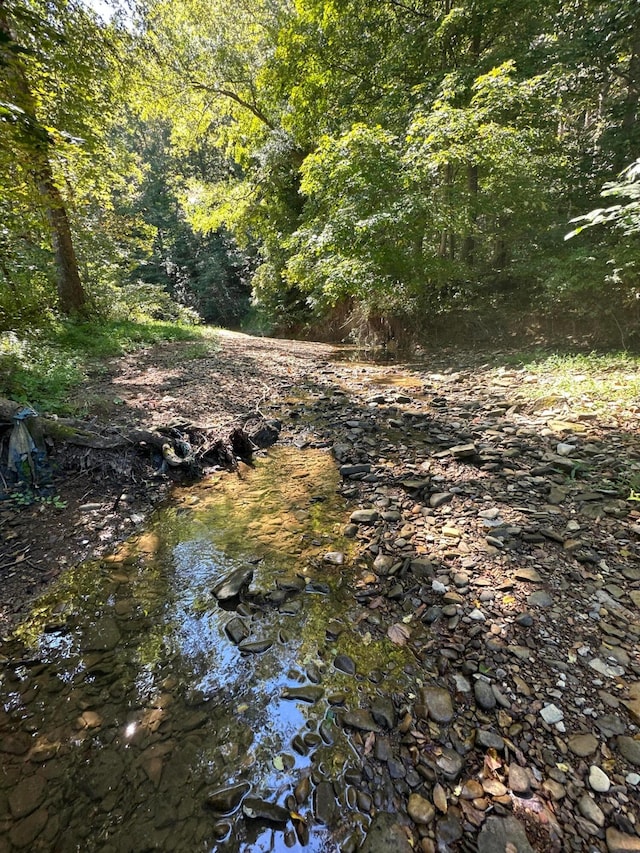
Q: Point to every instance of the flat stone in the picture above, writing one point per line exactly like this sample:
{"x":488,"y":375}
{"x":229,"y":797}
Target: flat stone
{"x":450,"y":763}
{"x":255,"y":647}
{"x":611,"y":725}
{"x":226,"y":800}
{"x":325,"y":805}
{"x":463,"y":451}
{"x":528,"y":574}
{"x":503,"y":835}
{"x":351,"y":470}
{"x":539,"y":598}
{"x":607,"y":669}
{"x":590,"y":810}
{"x":257,"y":809}
{"x":361,"y":720}
{"x":439,"y":499}
{"x":629,"y":748}
{"x":551,"y":714}
{"x":385,"y":835}
{"x":230,"y":586}
{"x":598,"y":780}
{"x":27,"y":796}
{"x":237,"y":630}
{"x":489,"y":740}
{"x":583,"y":745}
{"x":420,"y":810}
{"x":102,"y":636}
{"x":438,"y":703}
{"x":364,"y":516}
{"x":620,"y":842}
{"x":307,"y":693}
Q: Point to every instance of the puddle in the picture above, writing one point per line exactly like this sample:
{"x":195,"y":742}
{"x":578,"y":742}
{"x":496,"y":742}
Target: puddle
{"x":138,"y":712}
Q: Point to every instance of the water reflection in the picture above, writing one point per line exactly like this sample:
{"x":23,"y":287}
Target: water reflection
{"x":133,"y":703}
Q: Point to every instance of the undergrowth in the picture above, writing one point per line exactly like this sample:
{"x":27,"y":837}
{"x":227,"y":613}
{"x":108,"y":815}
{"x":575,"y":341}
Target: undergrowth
{"x":598,"y":380}
{"x":41,"y":367}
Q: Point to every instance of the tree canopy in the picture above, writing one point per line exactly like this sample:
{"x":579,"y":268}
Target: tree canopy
{"x":333,"y":158}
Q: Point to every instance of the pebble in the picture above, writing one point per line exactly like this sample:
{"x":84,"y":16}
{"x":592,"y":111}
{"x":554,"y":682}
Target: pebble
{"x":583,"y":744}
{"x":598,"y":780}
{"x":552,"y":714}
{"x":629,"y":748}
{"x":484,"y":695}
{"x":590,"y":810}
{"x":364,"y":516}
{"x":420,"y":810}
{"x":438,"y":703}
{"x":620,"y":842}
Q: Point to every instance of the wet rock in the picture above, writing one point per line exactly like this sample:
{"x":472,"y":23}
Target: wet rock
{"x":25,"y":832}
{"x":620,"y":842}
{"x":325,"y":805}
{"x":420,"y":810}
{"x":361,"y":720}
{"x":629,"y":748}
{"x":255,"y":647}
{"x":438,"y":703}
{"x":232,"y":584}
{"x":598,"y":780}
{"x":383,"y":711}
{"x":102,"y":636}
{"x":302,"y":790}
{"x":237,"y":630}
{"x":27,"y":796}
{"x":385,"y":835}
{"x":257,"y":809}
{"x":503,"y":835}
{"x":307,"y":693}
{"x":345,"y":664}
{"x":484,"y":695}
{"x":364,"y":516}
{"x":583,"y":744}
{"x":226,"y":800}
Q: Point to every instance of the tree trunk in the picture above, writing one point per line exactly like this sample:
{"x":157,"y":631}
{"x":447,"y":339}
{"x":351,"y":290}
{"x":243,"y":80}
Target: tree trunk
{"x":469,"y":243}
{"x":34,"y":141}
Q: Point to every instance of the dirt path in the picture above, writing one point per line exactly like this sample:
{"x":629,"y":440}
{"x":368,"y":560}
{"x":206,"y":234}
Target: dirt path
{"x":499,"y":545}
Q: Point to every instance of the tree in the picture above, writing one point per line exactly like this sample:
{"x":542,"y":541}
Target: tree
{"x":35,"y":141}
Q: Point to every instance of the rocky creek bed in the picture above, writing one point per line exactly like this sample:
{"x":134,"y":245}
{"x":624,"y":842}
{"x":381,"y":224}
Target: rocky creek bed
{"x":413,"y":626}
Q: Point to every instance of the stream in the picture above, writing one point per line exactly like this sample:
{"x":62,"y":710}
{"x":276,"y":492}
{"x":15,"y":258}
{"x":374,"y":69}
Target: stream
{"x":189,"y":692}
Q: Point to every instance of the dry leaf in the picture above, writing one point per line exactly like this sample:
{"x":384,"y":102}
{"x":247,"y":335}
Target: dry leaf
{"x":369,"y":743}
{"x":491,"y":762}
{"x":398,"y":634}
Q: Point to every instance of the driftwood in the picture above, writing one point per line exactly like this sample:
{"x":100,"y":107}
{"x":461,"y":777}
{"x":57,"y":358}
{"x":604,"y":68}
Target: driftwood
{"x":185,"y":446}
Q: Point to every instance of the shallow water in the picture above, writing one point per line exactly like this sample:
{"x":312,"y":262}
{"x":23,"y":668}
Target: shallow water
{"x":125,"y":704}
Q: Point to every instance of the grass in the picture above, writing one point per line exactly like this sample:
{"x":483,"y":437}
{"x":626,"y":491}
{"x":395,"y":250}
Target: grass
{"x":601,"y":381}
{"x":41,"y":368}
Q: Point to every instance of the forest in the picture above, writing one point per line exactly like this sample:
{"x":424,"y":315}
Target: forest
{"x":334,"y":168}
